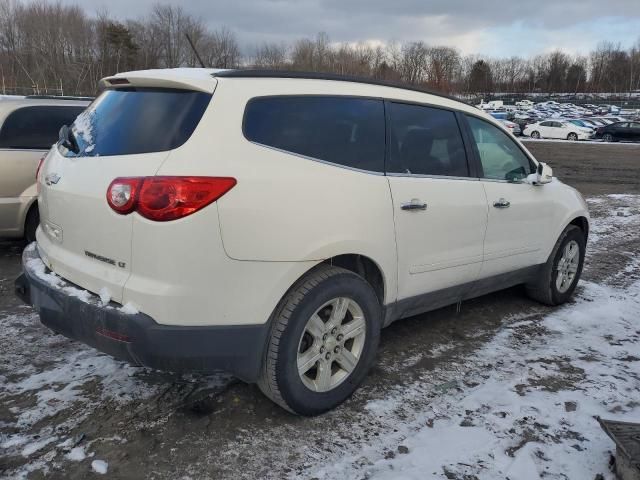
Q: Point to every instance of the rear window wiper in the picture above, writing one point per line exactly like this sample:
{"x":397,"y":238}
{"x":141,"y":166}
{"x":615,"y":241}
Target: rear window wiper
{"x":67,"y":139}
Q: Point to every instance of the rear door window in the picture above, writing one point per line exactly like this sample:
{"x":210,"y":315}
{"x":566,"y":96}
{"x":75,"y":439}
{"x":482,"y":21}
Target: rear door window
{"x":425,"y":141}
{"x":36,"y":127}
{"x":347,"y":131}
{"x":138,"y":120}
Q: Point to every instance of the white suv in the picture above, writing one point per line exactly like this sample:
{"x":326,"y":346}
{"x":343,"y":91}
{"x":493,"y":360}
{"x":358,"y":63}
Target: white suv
{"x":270,"y":224}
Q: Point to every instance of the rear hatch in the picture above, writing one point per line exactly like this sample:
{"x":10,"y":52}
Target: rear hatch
{"x":125,"y":132}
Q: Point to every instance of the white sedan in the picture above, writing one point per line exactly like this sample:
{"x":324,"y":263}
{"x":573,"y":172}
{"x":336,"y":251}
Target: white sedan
{"x":557,"y":129}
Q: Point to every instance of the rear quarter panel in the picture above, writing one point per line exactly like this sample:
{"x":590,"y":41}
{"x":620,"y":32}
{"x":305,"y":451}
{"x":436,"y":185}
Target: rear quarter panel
{"x":286,"y":208}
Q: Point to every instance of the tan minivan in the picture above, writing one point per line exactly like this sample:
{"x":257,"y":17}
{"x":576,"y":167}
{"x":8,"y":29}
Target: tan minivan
{"x":30,"y":126}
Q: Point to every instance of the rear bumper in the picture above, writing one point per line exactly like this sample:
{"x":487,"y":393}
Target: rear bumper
{"x":137,"y":338}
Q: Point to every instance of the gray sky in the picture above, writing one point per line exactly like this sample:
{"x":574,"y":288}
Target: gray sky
{"x":489,"y":27}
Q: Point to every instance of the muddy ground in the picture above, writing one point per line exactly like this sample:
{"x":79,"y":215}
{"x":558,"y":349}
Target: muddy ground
{"x":63,"y":405}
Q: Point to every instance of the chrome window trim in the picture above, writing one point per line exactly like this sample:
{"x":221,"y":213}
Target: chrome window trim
{"x":435,"y":177}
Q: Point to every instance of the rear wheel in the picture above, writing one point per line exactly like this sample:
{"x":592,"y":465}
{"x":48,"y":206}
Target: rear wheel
{"x":558,"y":278}
{"x":607,"y":137}
{"x":31,"y":223}
{"x":572,"y":136}
{"x":535,"y":134}
{"x":323,"y":341}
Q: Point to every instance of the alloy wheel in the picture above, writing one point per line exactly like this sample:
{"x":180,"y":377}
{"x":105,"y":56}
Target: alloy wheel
{"x":331,"y":344}
{"x":568,"y":266}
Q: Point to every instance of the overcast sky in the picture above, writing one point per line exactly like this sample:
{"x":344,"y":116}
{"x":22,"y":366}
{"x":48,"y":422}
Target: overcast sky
{"x":488,"y":27}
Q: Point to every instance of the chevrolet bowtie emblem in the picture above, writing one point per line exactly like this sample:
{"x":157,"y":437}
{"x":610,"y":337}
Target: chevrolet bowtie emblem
{"x":52,"y":179}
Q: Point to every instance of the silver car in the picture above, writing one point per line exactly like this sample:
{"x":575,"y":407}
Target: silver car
{"x":28,"y":128}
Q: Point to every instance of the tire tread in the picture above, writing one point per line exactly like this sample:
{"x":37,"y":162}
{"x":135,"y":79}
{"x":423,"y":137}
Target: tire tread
{"x":541,"y":290}
{"x":267,"y":382}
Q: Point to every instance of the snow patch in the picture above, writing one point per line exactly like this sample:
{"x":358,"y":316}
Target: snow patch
{"x":77,"y":454}
{"x":129,"y":309}
{"x":37,"y":445}
{"x":83,"y":127}
{"x":105,"y":296}
{"x":99,"y":466}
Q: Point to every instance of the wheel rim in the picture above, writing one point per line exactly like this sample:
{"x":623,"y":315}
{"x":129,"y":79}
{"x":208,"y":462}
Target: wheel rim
{"x":535,"y":135}
{"x":331,"y":344}
{"x":608,"y":137}
{"x":573,"y":136}
{"x":568,"y":266}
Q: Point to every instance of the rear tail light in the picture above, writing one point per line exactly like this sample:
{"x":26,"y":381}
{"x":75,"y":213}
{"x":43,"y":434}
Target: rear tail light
{"x":166,"y":198}
{"x":122,"y":194}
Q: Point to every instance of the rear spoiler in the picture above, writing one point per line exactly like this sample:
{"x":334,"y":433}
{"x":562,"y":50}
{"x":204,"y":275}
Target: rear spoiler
{"x":181,"y":78}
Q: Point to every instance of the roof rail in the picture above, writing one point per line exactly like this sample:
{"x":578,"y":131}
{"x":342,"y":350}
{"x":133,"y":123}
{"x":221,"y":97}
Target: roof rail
{"x":58,"y":97}
{"x":258,"y":73}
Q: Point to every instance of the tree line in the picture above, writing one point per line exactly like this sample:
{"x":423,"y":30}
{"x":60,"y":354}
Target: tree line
{"x":48,"y":47}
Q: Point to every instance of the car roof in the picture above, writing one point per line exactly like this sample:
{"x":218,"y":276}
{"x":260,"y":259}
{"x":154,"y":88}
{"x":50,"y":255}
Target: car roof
{"x":258,"y":73}
{"x":10,"y":103}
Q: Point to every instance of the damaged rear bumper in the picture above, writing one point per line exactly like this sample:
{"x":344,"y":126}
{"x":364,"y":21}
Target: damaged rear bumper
{"x":136,"y":337}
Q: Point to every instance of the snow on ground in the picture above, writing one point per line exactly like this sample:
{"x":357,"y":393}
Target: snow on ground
{"x":526,"y":409}
{"x":526,"y":405}
{"x":46,"y":377}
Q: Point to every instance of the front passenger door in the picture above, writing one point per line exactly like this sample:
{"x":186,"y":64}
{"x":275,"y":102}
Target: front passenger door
{"x":518,"y":212}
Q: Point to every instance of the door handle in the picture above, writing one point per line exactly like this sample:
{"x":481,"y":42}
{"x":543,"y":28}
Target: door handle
{"x":502,"y":203}
{"x":414,"y":204}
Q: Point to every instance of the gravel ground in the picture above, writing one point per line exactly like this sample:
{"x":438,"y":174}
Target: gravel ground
{"x":505,"y":388}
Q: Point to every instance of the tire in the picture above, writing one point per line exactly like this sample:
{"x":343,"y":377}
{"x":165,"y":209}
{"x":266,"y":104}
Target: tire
{"x":535,"y":134}
{"x":572,"y":136}
{"x":31,"y":223}
{"x":545,"y":288}
{"x":607,"y":137}
{"x":280,"y":379}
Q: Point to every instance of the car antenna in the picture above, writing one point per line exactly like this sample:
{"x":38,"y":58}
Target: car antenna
{"x":193,"y":47}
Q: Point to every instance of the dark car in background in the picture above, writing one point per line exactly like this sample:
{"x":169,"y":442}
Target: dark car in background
{"x":625,"y":131}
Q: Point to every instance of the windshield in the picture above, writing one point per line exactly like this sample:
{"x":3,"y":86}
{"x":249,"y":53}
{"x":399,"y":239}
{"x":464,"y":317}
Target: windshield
{"x":137,"y":120}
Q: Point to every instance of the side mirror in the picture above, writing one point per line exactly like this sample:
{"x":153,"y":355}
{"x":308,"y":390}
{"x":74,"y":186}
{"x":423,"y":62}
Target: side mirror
{"x":544,"y":174}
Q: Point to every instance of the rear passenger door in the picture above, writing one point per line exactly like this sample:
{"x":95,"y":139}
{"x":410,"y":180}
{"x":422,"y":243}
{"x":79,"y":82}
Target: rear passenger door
{"x":518,"y":212}
{"x":546,"y":129}
{"x":440,"y":211}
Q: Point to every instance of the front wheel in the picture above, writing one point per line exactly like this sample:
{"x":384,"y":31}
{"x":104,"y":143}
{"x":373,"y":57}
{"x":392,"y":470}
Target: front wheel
{"x":535,"y":134}
{"x":572,"y":136}
{"x":323,"y":341}
{"x":558,"y":278}
{"x":607,"y":137}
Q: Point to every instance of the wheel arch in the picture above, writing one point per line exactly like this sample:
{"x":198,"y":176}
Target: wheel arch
{"x":365,"y":267}
{"x":583,"y":223}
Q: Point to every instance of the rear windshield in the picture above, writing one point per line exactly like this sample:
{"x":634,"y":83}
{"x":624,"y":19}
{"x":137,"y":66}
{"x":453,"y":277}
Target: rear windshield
{"x":138,"y":120}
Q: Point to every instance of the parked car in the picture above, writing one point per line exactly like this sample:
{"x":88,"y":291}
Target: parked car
{"x":557,"y":129}
{"x":271,"y":223}
{"x":29,"y":126}
{"x":628,"y":131}
{"x":513,"y":127}
{"x":581,"y":123}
